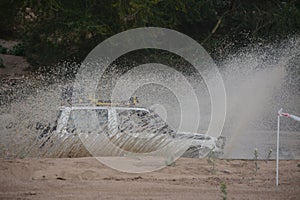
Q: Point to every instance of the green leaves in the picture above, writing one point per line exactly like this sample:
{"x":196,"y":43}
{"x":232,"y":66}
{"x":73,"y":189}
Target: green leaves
{"x":55,"y":30}
{"x":224,"y":190}
{"x":18,"y":50}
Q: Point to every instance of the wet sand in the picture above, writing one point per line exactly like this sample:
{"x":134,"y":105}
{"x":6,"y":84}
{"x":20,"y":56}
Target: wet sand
{"x":86,"y":178}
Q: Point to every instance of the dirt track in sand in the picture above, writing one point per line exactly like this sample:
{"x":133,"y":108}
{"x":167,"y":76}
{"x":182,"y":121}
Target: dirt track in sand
{"x":86,"y":178}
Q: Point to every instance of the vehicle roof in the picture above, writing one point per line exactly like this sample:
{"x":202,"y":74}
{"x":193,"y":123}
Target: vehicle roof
{"x":91,"y":107}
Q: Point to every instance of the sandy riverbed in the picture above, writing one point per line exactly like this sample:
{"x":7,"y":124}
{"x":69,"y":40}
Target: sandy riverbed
{"x":86,"y":178}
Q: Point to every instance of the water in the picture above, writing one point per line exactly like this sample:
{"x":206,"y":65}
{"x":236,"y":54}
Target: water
{"x":259,"y":80}
{"x":258,"y":83}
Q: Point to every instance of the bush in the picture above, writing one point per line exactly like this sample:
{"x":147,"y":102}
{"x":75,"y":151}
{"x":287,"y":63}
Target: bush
{"x":224,"y":190}
{"x":1,"y":63}
{"x":3,"y":50}
{"x":18,"y":50}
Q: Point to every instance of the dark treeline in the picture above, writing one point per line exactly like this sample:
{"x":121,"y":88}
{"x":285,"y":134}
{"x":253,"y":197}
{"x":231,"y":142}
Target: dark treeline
{"x":56,"y":30}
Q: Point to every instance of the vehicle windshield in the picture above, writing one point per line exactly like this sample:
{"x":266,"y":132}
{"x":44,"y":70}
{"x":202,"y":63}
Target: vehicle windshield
{"x":141,"y":121}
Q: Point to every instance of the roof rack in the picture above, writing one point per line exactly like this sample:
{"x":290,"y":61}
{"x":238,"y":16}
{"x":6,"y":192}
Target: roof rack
{"x":132,"y":102}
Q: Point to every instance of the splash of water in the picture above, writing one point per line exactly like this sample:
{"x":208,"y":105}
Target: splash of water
{"x":258,"y":81}
{"x":257,"y":86}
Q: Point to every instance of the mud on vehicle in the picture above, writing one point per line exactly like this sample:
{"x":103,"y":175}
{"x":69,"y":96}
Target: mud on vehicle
{"x":125,"y":125}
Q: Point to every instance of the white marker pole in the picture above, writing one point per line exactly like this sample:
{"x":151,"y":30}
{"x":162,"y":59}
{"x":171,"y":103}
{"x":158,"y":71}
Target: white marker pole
{"x":277,"y":152}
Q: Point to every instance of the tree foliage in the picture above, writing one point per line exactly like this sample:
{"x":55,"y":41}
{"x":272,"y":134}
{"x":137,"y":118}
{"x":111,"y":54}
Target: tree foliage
{"x":55,"y":30}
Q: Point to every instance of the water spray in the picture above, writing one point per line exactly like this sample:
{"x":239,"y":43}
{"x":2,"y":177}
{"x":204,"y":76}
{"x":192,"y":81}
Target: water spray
{"x":280,"y":113}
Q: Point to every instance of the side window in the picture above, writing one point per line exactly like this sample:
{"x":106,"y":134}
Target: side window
{"x":71,"y":124}
{"x":83,"y":120}
{"x":102,"y":115}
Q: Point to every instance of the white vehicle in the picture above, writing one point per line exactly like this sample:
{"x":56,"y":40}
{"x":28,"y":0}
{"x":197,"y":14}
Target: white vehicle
{"x":131,"y":128}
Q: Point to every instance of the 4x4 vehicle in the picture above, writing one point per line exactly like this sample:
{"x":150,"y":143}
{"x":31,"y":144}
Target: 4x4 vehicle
{"x":102,"y":126}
